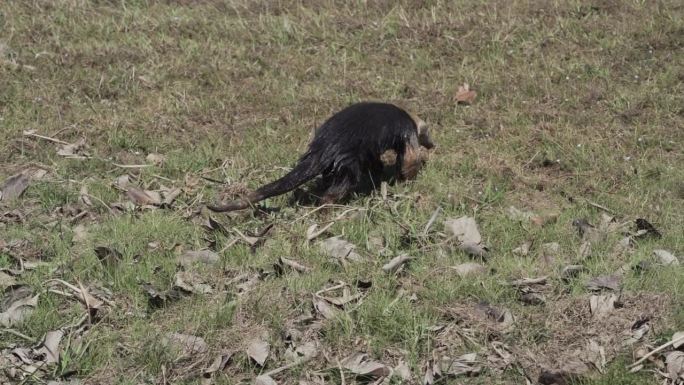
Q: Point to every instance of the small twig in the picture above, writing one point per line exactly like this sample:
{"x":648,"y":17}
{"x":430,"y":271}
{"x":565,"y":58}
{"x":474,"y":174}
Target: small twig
{"x":598,"y":206}
{"x":656,"y":350}
{"x":49,"y":139}
{"x":131,"y":165}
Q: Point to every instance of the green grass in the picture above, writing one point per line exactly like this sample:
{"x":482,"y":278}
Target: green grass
{"x":577,"y":101}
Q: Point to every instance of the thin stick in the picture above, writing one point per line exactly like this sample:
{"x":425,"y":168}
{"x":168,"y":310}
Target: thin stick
{"x":656,"y":350}
{"x":131,"y":165}
{"x":49,"y":139}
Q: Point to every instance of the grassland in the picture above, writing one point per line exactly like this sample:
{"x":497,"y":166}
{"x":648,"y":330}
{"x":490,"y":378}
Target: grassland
{"x":579,"y":104}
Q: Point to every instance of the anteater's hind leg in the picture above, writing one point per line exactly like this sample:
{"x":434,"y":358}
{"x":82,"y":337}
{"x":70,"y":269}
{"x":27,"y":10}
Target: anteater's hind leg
{"x":340,"y":185}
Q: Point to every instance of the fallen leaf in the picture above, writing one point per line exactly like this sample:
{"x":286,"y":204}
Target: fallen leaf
{"x":462,"y":365}
{"x":191,"y":282}
{"x":50,"y":346}
{"x":185,"y":344}
{"x":610,"y":282}
{"x":595,"y":354}
{"x":71,"y":149}
{"x":674,"y":362}
{"x":155,"y":159}
{"x":264,"y":380}
{"x":360,"y":364}
{"x":80,"y":234}
{"x":403,"y":371}
{"x":523,"y":249}
{"x":258,"y":350}
{"x":143,"y":197}
{"x":324,"y":308}
{"x":465,"y":95}
{"x":6,"y":281}
{"x":17,"y":310}
{"x":340,"y":249}
{"x":464,"y":229}
{"x":469,"y":269}
{"x":549,"y":252}
{"x":206,"y":257}
{"x":14,"y":186}
{"x":602,"y":305}
{"x":84,"y":196}
{"x":169,"y":195}
{"x":396,"y":263}
{"x":122,"y":182}
{"x":666,"y":258}
{"x":678,"y":340}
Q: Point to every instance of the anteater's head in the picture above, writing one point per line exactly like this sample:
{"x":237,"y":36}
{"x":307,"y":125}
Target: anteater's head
{"x":424,"y":138}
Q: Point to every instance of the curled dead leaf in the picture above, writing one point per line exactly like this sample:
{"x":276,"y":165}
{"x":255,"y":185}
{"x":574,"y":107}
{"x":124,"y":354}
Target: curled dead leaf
{"x":258,"y":350}
{"x":361,"y":365}
{"x":206,"y":257}
{"x":340,"y":249}
{"x":396,"y":262}
{"x":465,"y":95}
{"x":185,"y":344}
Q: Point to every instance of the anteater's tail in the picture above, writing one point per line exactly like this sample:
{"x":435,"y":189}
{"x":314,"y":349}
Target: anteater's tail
{"x":305,"y":170}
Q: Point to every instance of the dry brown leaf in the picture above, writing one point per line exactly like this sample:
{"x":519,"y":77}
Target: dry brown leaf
{"x":170,"y":195}
{"x":71,"y":149}
{"x":14,"y":186}
{"x":50,"y":346}
{"x":523,"y":249}
{"x":396,"y":262}
{"x":142,"y":197}
{"x":469,"y":269}
{"x":185,"y":344}
{"x":674,"y":361}
{"x":595,"y":354}
{"x":602,"y":305}
{"x":465,"y":95}
{"x":463,"y":365}
{"x":258,"y":350}
{"x":155,"y":159}
{"x":464,"y":229}
{"x":678,"y":340}
{"x":17,"y":310}
{"x":340,"y":249}
{"x":666,"y":258}
{"x":324,"y":308}
{"x":206,"y":257}
{"x":264,"y":380}
{"x":403,"y":371}
{"x":80,"y":234}
{"x":610,"y":282}
{"x":6,"y":281}
{"x":191,"y":282}
{"x":360,"y":364}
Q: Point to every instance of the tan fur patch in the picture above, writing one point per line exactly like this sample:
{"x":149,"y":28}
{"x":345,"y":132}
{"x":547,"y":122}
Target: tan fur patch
{"x":411,"y":163}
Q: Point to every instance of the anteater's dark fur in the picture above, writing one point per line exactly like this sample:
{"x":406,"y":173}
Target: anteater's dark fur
{"x":346,"y":148}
